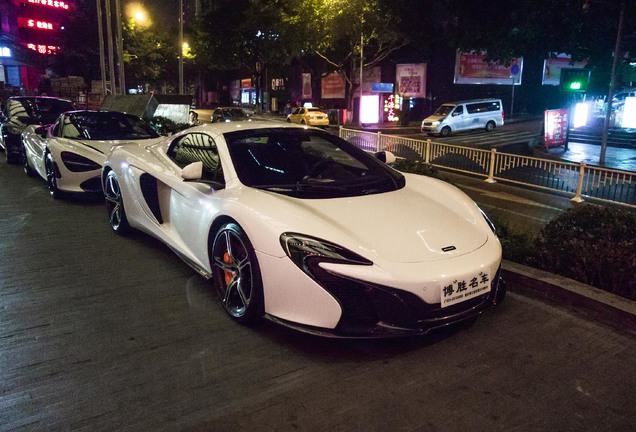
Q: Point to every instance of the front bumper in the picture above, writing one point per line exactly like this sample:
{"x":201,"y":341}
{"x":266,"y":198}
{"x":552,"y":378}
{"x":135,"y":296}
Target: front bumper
{"x":430,"y":128}
{"x":374,"y":311}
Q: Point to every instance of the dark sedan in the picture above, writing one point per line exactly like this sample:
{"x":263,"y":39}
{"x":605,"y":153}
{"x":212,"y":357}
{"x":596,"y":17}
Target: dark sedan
{"x":229,"y":114}
{"x":22,"y":111}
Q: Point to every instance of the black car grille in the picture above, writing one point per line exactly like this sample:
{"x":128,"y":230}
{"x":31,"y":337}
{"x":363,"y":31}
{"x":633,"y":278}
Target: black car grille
{"x":365,"y":305}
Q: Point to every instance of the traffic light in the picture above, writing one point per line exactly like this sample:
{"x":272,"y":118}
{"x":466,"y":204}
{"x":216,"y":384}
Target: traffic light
{"x":574,"y":80}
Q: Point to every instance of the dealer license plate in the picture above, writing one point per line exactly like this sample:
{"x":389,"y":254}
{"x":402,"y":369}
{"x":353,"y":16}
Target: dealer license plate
{"x":462,"y":289}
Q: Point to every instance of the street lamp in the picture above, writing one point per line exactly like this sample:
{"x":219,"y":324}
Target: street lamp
{"x":610,"y":95}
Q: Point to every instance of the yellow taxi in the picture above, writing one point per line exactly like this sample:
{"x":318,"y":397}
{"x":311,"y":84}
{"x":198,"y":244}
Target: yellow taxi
{"x":308,"y":116}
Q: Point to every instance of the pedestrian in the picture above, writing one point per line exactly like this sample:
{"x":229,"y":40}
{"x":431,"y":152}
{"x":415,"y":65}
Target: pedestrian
{"x":193,"y":118}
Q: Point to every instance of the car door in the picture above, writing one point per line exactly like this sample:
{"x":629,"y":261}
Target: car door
{"x":459,"y":119}
{"x":188,"y":207}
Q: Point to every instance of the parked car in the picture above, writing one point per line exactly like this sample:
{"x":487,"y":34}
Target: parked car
{"x":465,"y":115}
{"x":22,"y":111}
{"x":308,"y":116}
{"x":285,"y":221}
{"x":69,"y":154}
{"x":229,"y":114}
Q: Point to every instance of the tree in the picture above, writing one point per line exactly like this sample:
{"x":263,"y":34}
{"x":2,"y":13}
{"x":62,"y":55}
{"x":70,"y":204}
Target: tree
{"x":148,"y":56}
{"x":338,"y":31}
{"x":79,"y":55}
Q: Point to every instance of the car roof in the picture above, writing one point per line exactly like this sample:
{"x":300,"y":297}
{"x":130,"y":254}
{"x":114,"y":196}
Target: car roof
{"x":222,"y":128}
{"x":472,"y":101}
{"x":37,"y":97}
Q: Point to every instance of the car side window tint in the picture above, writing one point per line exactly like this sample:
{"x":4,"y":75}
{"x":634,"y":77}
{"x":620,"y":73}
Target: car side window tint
{"x":195,"y":147}
{"x":69,"y":130}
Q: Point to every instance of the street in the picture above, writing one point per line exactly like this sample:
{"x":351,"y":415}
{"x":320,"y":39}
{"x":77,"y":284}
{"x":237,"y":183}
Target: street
{"x":101,"y":332}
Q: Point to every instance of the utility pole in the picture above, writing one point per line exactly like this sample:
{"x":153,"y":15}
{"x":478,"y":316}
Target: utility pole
{"x":181,"y":90}
{"x":120,"y":48}
{"x":102,"y":54}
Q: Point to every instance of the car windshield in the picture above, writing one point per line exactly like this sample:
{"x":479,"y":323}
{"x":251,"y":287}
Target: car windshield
{"x":46,"y":108}
{"x":307,"y":164}
{"x":110,"y":126}
{"x":444,"y":110}
{"x":234,"y":112}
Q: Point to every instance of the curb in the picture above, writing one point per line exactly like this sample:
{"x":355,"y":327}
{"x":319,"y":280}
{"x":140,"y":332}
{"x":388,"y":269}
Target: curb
{"x":578,"y":297}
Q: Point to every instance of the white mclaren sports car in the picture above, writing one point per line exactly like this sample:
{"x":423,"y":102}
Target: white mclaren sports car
{"x":69,"y":154}
{"x":295,"y":224}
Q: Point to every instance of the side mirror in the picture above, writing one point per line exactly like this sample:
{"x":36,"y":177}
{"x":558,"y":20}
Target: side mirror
{"x":385,"y":156}
{"x":193,"y":171}
{"x":42,"y":131}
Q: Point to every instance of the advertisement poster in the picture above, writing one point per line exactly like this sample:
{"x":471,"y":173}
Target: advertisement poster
{"x":333,"y":86}
{"x":556,"y":128}
{"x":411,"y":80}
{"x":306,"y":92}
{"x":473,"y":69}
{"x":552,"y":68}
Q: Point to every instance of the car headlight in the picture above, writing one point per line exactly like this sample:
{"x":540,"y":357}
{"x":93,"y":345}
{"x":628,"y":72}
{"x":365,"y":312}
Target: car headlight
{"x":306,"y":251}
{"x":435,"y":123}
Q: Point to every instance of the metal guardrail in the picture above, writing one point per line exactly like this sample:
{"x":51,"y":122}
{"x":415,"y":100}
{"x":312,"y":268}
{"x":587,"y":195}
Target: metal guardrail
{"x":577,"y":179}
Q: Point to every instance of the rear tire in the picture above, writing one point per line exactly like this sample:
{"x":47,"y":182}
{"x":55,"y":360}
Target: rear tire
{"x":490,"y":126}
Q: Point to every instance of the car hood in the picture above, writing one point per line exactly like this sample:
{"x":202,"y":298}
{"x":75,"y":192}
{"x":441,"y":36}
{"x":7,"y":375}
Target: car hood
{"x":410,"y":225}
{"x":104,"y":146}
{"x":434,"y":118}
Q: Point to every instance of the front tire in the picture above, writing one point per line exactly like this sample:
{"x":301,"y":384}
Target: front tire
{"x":12,"y":158}
{"x":445,"y":131}
{"x":51,"y":177}
{"x":236,"y":275}
{"x":26,"y":167}
{"x":115,"y":205}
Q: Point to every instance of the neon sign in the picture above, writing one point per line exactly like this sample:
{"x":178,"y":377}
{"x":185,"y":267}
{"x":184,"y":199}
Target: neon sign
{"x":43,"y":49}
{"x":51,"y":3}
{"x":36,"y":24}
{"x":391,"y":104}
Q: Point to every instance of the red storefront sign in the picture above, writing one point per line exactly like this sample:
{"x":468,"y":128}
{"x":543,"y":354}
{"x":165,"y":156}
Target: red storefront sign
{"x":555,"y":128}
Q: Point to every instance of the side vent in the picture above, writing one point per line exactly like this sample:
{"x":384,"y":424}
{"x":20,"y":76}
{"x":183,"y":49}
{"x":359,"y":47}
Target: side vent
{"x":149,"y":190}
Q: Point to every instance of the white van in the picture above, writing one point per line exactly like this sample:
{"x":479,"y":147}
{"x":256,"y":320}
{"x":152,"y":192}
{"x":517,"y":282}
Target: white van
{"x":465,"y":115}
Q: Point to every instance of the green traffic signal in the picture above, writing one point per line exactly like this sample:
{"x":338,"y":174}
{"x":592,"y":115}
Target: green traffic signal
{"x":574,"y":80}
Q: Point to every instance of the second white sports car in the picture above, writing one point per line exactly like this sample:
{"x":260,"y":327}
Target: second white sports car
{"x":296,"y":224}
{"x":69,"y":154}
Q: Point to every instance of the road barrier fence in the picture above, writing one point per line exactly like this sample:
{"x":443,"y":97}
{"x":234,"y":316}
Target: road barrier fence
{"x":580,"y":180}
